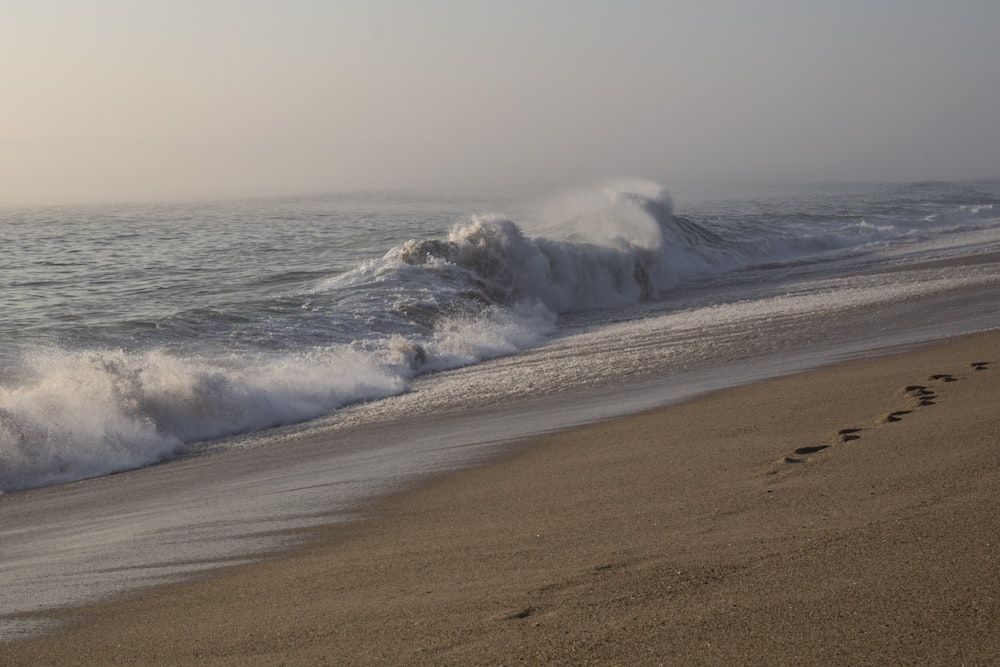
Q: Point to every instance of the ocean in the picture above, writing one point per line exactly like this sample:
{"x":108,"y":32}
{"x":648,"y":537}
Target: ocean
{"x":137,"y":333}
{"x":397,"y":332}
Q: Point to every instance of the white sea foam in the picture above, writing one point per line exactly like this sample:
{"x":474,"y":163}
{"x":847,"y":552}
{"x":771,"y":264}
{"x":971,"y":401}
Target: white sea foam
{"x":85,"y":413}
{"x":491,"y":287}
{"x":76,"y":414}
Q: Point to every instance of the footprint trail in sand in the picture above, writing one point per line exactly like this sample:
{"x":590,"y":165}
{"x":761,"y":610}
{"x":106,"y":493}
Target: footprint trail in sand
{"x":917,"y":396}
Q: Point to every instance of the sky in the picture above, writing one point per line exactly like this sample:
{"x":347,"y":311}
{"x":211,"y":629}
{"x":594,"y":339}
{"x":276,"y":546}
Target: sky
{"x":136,"y":100}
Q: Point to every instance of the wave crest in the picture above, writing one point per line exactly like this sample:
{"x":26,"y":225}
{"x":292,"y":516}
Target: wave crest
{"x":629,"y":249}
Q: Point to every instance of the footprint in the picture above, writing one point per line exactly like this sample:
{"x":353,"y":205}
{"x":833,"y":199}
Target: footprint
{"x":844,"y":435}
{"x":524,"y":613}
{"x":922,"y":394}
{"x":597,"y":569}
{"x":810,"y":450}
{"x":894,"y":416}
{"x":919,"y":396}
{"x":848,"y":434}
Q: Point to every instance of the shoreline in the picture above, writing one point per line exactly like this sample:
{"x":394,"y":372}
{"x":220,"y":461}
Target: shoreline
{"x":750,"y":524}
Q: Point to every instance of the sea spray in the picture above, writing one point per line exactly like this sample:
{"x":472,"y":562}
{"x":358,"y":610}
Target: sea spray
{"x":77,"y":414}
{"x":280,"y":312}
{"x":85,"y":413}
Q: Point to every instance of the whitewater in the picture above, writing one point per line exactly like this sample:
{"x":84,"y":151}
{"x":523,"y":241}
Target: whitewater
{"x":136,"y":334}
{"x":186,"y":387}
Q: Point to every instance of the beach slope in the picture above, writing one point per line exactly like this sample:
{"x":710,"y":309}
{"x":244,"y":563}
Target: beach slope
{"x":849,"y":515}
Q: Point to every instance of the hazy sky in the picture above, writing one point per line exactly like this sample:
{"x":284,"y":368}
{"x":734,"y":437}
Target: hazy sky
{"x":110,"y":100}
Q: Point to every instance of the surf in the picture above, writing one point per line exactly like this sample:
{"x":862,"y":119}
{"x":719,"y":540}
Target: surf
{"x":271,"y":352}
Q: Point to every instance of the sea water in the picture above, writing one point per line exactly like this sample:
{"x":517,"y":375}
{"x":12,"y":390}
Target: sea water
{"x":293,"y":358}
{"x":133,"y":334}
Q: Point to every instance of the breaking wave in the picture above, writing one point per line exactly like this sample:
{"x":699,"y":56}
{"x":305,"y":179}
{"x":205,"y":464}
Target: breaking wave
{"x":491,"y":287}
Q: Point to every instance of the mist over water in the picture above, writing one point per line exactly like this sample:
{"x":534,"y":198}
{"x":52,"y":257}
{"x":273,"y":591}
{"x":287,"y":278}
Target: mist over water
{"x":133,"y":333}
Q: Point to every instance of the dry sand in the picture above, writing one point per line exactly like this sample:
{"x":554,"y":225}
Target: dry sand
{"x":845,"y":516}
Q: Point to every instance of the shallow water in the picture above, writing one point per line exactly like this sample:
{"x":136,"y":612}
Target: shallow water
{"x":402,"y":358}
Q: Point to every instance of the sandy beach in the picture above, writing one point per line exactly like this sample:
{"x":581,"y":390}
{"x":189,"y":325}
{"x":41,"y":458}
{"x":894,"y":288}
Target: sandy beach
{"x":845,"y":516}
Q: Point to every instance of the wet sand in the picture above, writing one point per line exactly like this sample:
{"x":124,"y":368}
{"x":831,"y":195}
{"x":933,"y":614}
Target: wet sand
{"x":842,"y":516}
